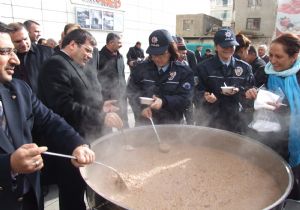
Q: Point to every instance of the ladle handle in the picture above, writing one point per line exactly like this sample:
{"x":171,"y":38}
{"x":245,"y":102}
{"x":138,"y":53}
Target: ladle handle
{"x":73,"y":157}
{"x":158,"y":139}
{"x":59,"y":155}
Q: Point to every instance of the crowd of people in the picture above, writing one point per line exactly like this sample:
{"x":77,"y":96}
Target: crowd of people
{"x":61,"y":97}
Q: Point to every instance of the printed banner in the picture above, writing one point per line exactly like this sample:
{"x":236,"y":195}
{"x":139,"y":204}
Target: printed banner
{"x":288,"y":17}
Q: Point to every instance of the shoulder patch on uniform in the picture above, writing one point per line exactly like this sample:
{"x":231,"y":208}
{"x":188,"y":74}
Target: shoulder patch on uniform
{"x":238,"y":71}
{"x":187,"y":85}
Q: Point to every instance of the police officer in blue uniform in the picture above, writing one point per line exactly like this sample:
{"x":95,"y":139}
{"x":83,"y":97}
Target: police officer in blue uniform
{"x":162,"y":78}
{"x":222,"y":110}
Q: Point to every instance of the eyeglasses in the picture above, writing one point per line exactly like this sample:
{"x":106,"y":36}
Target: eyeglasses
{"x":7,"y":51}
{"x":86,"y":48}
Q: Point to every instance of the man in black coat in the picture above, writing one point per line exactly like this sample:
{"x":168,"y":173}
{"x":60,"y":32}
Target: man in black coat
{"x":198,"y":53}
{"x":111,"y":74}
{"x":258,"y":66}
{"x":65,"y":88}
{"x":21,"y":115}
{"x":134,"y":55}
{"x":32,"y":56}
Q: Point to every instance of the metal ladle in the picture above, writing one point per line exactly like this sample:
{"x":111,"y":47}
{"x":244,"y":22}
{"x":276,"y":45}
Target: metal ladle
{"x":163,"y":147}
{"x":119,"y":181}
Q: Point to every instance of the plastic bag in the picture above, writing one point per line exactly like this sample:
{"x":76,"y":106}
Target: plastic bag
{"x":265,"y":120}
{"x":264,"y":117}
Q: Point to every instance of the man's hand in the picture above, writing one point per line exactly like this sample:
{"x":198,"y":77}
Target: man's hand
{"x":157,"y":103}
{"x":109,"y":106}
{"x":113,"y":120}
{"x":27,"y":159}
{"x":147,"y":112}
{"x":210,"y":97}
{"x":131,"y":63}
{"x":84,"y":156}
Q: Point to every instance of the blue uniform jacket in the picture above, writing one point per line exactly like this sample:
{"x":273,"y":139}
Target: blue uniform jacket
{"x":174,"y":87}
{"x":212,"y":74}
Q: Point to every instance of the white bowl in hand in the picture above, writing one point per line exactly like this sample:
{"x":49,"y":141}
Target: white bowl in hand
{"x":146,"y":100}
{"x":228,"y":89}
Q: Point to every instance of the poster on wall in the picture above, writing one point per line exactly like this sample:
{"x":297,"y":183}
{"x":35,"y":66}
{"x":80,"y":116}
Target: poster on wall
{"x":96,"y":17}
{"x":288,"y":17}
{"x":108,"y":20}
{"x":100,"y":19}
{"x":83,"y":17}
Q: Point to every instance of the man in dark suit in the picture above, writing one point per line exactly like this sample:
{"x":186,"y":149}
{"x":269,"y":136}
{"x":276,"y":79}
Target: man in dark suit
{"x":21,"y":115}
{"x":31,"y":56}
{"x":198,"y":53}
{"x":65,"y":88}
{"x":258,"y":66}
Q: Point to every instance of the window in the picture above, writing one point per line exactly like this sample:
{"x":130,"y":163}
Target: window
{"x":254,"y":3}
{"x":223,"y":2}
{"x":224,"y":15}
{"x":187,"y":25}
{"x":253,"y":24}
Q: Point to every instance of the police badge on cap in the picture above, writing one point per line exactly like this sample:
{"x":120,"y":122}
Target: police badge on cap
{"x":159,"y":41}
{"x":225,"y":38}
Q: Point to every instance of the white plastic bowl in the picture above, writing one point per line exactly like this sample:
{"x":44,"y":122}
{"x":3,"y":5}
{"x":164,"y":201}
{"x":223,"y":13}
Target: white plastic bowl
{"x":146,"y":100}
{"x":227,"y":89}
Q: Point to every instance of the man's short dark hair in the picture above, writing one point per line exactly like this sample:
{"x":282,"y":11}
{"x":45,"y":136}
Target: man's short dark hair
{"x":111,"y":36}
{"x":41,"y":40}
{"x":79,"y":36}
{"x":5,"y":28}
{"x":252,"y":50}
{"x":28,"y":24}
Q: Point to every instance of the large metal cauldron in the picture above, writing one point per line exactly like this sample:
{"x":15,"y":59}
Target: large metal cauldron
{"x":109,"y":148}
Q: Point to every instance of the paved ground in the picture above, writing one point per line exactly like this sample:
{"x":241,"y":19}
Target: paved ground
{"x":51,"y":200}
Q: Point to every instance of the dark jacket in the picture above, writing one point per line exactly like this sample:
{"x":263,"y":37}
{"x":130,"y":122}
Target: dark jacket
{"x":25,"y":115}
{"x":111,"y":76}
{"x":134,"y":53}
{"x":191,"y":60}
{"x":31,"y":64}
{"x":198,"y":56}
{"x":258,"y":67}
{"x":66,"y":88}
{"x":266,"y":58}
{"x":174,"y":87}
{"x":224,"y":113}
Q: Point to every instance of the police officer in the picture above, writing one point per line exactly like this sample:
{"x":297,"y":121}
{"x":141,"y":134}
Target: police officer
{"x":162,"y":78}
{"x":223,"y":109}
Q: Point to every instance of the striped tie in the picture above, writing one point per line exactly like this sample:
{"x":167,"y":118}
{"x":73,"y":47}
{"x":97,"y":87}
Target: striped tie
{"x":3,"y":123}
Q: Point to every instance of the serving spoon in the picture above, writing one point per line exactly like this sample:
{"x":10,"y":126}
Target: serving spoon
{"x":163,"y":147}
{"x":119,"y":181}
